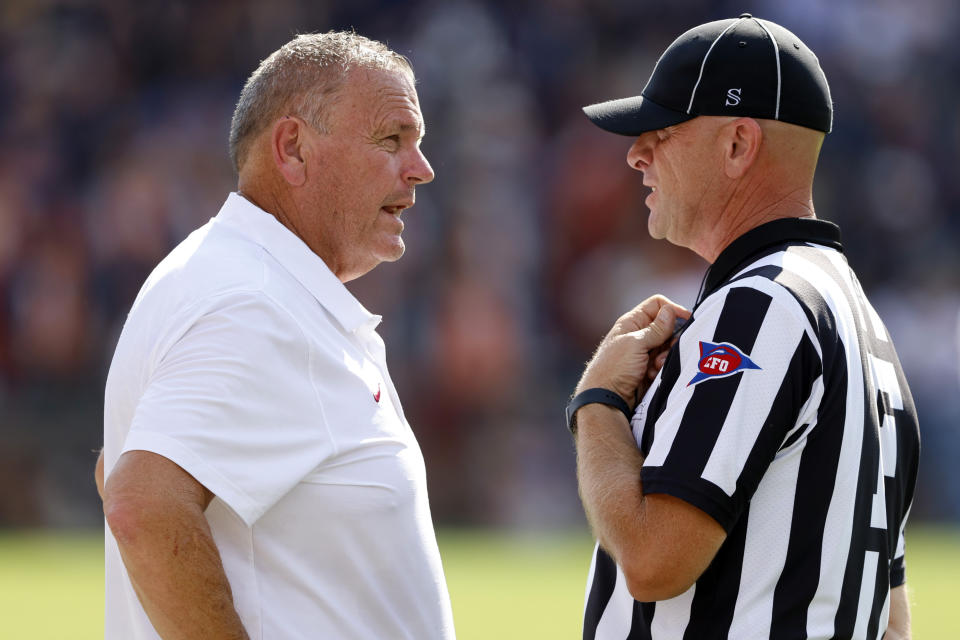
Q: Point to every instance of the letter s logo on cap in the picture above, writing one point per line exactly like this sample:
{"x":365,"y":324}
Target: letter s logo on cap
{"x":733,"y":97}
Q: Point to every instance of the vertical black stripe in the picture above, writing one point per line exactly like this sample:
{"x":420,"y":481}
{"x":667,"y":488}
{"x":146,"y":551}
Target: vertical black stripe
{"x":879,"y":597}
{"x":794,"y":391}
{"x":717,"y":589}
{"x":658,"y":403}
{"x":863,"y":536}
{"x":739,"y":324}
{"x":815,"y":484}
{"x":640,"y":624}
{"x":715,"y":598}
{"x":735,"y":326}
{"x":604,"y":581}
{"x":900,"y":489}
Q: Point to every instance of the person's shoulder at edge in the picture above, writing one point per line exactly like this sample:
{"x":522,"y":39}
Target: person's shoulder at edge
{"x":219,"y":273}
{"x":213,"y":269}
{"x":211,"y":262}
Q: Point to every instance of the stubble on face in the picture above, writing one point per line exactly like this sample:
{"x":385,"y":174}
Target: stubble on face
{"x":365,"y":171}
{"x":683,"y":170}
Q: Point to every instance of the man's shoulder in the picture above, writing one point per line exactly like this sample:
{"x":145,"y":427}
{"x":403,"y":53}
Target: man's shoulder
{"x":212,"y":259}
{"x":767,"y":286}
{"x":212,"y":265}
{"x":218,"y":274}
{"x":796,"y":276}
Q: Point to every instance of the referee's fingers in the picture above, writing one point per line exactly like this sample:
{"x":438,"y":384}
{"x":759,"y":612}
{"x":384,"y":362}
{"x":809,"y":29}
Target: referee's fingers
{"x":660,"y":330}
{"x":646,"y":312}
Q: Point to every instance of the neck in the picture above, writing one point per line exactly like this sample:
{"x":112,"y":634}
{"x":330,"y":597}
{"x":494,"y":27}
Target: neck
{"x":276,"y":203}
{"x":279,"y":204}
{"x":748,"y":206}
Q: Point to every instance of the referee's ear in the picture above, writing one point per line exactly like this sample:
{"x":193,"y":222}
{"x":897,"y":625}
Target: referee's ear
{"x":741,"y":139}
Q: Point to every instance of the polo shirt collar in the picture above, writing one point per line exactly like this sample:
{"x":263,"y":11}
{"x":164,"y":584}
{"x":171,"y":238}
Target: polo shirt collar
{"x":249,"y":220}
{"x":767,"y":236}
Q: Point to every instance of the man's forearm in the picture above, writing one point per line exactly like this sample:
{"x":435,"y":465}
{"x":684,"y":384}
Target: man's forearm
{"x":608,"y":459}
{"x":662,"y":544}
{"x":156,"y":513}
{"x":176,"y":570}
{"x":608,"y":470}
{"x":898,"y":628}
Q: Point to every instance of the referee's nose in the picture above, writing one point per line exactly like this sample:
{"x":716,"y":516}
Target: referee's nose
{"x":640,"y":154}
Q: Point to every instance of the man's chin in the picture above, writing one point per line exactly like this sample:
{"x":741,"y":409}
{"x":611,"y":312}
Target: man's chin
{"x":394,"y":251}
{"x":654,"y":229}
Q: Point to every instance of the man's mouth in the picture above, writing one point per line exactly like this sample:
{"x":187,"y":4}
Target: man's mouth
{"x":395,"y":209}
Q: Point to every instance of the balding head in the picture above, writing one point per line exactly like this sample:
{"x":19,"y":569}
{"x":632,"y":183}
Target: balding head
{"x":302,"y":78}
{"x":767,"y":169}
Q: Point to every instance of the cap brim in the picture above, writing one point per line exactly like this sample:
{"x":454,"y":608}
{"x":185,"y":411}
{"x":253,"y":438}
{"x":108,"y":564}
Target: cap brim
{"x":633,"y":116}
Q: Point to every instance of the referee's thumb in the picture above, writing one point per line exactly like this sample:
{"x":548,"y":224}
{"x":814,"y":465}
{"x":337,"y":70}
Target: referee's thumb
{"x":662,"y":326}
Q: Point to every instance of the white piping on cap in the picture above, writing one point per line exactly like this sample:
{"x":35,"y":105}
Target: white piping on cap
{"x":704,"y":62}
{"x":776,"y":53}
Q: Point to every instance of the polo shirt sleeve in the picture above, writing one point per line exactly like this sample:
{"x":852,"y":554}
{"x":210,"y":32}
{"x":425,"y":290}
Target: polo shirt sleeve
{"x":746,"y":370}
{"x":232,"y":402}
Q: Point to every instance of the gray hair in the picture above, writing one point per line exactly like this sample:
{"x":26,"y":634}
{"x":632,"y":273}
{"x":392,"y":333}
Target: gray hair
{"x":302,"y":78}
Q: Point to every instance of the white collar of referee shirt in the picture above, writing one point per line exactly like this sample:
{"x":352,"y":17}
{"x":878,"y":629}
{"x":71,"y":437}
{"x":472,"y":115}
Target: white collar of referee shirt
{"x":295,"y":256}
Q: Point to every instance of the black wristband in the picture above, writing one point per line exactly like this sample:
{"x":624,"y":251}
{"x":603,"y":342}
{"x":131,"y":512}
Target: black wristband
{"x":598,"y":396}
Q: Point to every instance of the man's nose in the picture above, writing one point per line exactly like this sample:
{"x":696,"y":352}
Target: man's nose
{"x":641,"y":151}
{"x":419,"y":171}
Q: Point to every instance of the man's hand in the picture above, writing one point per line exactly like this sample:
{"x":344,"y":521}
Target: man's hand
{"x":634,"y":349}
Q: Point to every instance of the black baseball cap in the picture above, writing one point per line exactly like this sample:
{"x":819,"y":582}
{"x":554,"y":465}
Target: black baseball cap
{"x":738,"y":67}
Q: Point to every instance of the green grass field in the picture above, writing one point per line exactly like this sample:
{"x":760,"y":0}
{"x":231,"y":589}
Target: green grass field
{"x":503,"y":586}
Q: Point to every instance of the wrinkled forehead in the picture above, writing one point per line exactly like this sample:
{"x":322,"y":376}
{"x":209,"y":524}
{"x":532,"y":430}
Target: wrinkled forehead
{"x":386,"y":96}
{"x":381,"y":82}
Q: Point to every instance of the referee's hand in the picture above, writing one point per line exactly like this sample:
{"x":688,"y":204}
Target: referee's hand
{"x":634,"y":349}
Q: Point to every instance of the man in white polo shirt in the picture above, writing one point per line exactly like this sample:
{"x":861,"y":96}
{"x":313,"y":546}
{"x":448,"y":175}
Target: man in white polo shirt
{"x":261,"y":479}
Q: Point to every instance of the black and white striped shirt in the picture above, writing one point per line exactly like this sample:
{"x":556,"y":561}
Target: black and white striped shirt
{"x":783,"y":413}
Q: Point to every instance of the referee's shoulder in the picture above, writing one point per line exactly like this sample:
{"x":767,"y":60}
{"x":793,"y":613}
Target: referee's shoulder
{"x":762,"y":294}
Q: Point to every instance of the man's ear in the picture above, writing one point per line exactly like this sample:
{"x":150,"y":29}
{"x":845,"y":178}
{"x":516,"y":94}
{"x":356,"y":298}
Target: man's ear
{"x":742,"y":139}
{"x":288,"y":138}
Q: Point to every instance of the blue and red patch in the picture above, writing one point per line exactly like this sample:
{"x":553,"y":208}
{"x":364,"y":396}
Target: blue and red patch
{"x":719,"y":361}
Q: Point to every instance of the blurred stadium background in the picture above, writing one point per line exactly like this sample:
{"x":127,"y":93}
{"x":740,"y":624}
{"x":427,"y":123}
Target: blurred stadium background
{"x":532,"y":240}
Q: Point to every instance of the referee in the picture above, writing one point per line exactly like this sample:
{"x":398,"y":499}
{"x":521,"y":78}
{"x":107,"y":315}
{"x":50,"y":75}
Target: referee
{"x":773,"y":457}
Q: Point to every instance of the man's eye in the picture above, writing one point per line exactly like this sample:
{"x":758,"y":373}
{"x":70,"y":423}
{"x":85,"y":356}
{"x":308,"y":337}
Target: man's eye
{"x":394,"y":139}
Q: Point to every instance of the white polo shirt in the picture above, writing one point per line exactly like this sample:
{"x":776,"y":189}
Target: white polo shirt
{"x":245,"y":361}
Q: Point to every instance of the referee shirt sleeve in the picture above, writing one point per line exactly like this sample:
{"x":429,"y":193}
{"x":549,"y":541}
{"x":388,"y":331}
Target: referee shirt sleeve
{"x":718,"y":434}
{"x":898,"y":566}
{"x":232,"y":402}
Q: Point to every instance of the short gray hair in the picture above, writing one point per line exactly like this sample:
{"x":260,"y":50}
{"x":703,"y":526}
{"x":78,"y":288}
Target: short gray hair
{"x":302,"y":78}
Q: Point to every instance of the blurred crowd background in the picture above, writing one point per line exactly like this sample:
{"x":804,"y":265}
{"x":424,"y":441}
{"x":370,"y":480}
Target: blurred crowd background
{"x":531,"y":241}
